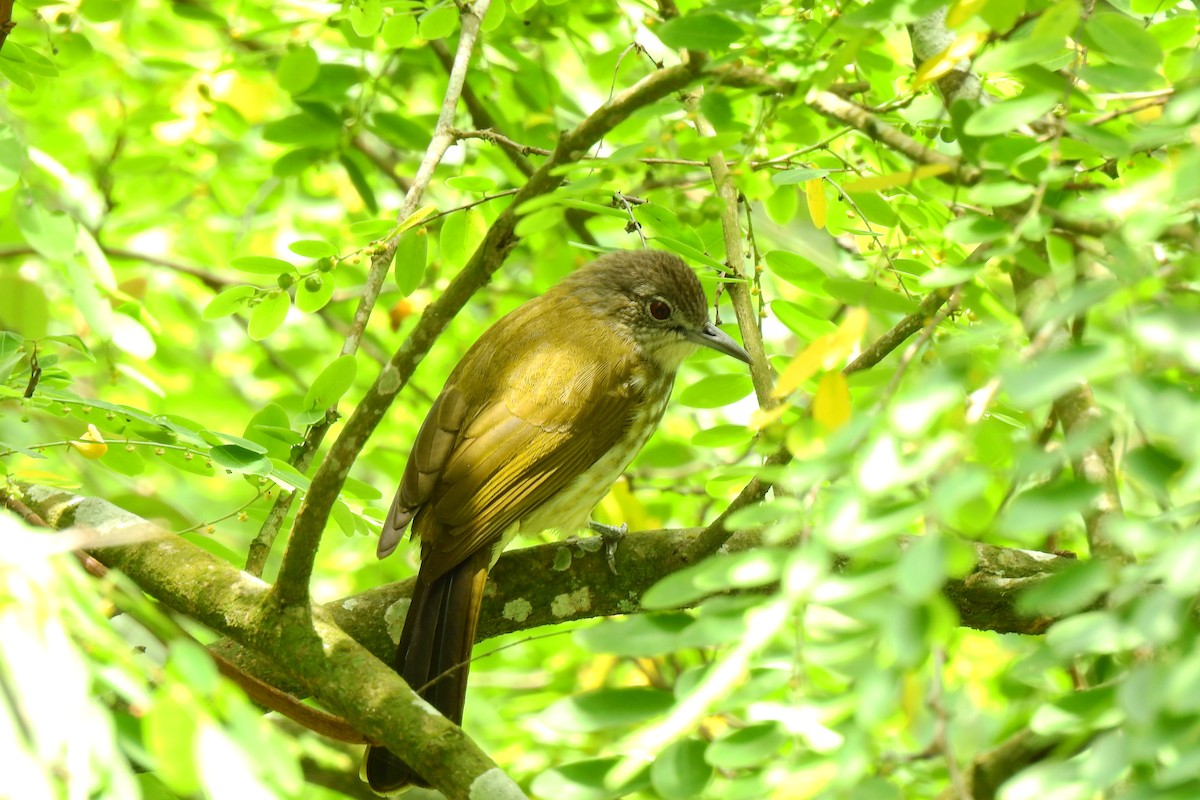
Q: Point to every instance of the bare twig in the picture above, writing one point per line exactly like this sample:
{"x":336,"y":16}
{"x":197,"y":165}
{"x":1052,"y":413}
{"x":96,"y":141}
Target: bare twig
{"x":490,"y":135}
{"x":941,"y":736}
{"x":735,"y":259}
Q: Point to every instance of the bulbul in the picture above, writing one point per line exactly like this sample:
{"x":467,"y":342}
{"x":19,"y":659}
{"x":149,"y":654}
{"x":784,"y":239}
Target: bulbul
{"x":541,"y":416}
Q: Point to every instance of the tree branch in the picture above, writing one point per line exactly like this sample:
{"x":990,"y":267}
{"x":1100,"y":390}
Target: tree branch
{"x":531,"y":587}
{"x":6,"y":23}
{"x":306,"y":642}
{"x":830,"y":105}
{"x":443,"y":137}
{"x":735,"y":259}
{"x":292,"y":586}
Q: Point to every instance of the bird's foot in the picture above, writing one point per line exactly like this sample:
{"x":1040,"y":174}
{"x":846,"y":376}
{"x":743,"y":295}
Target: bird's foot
{"x":611,"y":535}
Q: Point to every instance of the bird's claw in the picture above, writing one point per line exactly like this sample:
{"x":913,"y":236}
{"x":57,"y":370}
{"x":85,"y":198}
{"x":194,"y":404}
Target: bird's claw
{"x":611,"y":535}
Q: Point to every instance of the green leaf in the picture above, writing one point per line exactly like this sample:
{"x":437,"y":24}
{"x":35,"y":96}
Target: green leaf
{"x":366,"y":16}
{"x":800,"y":320}
{"x":229,"y":301}
{"x":461,"y":234}
{"x":313,"y":248}
{"x":976,"y":229}
{"x":715,"y":391}
{"x":411,"y":255}
{"x":723,"y":436}
{"x":1078,"y":586}
{"x":1045,"y":42}
{"x":399,"y":30}
{"x":437,"y":23}
{"x":271,"y":429}
{"x":713,"y":575}
{"x":357,"y":168}
{"x":798,"y":175}
{"x":1091,"y":632}
{"x":235,"y":458}
{"x":607,"y":708}
{"x":585,"y":780}
{"x":169,"y":729}
{"x":747,"y":747}
{"x":12,"y":350}
{"x":123,"y":459}
{"x":680,"y":772}
{"x":333,"y":382}
{"x":471,"y":183}
{"x":372,"y":228}
{"x":1044,"y":509}
{"x":635,"y":637}
{"x":15,"y":73}
{"x":297,"y":69}
{"x":314,"y":292}
{"x":289,"y":477}
{"x":699,"y":31}
{"x":999,"y":193}
{"x":11,"y":158}
{"x":51,"y":234}
{"x":1009,"y":114}
{"x":1049,"y":375}
{"x":268,"y":315}
{"x":795,"y":269}
{"x":262,"y":265}
{"x":1122,"y":40}
{"x":75,"y":342}
{"x":873,"y":296}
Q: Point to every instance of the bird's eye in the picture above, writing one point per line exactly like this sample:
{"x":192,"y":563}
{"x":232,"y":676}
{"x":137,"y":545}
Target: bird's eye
{"x":659,"y":309}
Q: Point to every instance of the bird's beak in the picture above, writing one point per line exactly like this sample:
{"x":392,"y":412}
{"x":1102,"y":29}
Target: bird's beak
{"x":712,"y":336}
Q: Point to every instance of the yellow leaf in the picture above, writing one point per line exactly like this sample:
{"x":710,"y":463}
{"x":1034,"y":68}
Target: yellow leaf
{"x":814,"y":192}
{"x":960,"y":49}
{"x":807,"y":782}
{"x":1148,"y":114}
{"x":91,"y":444}
{"x":827,"y":352}
{"x":962,"y":11}
{"x":763,"y":417}
{"x":831,"y":404}
{"x":877,"y":182}
{"x":416,"y":218}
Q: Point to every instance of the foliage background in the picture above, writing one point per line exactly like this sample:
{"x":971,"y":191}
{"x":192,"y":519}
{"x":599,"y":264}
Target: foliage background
{"x":194,"y":195}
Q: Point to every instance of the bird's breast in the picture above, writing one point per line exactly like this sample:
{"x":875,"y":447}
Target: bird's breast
{"x":568,"y":510}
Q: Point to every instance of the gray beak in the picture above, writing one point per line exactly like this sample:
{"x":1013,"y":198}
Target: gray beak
{"x":712,"y":336}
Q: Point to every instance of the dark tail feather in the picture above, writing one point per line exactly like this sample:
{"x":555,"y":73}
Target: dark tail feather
{"x":433,"y":657}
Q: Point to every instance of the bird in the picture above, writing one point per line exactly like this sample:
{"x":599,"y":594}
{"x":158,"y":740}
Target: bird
{"x":532,"y":428}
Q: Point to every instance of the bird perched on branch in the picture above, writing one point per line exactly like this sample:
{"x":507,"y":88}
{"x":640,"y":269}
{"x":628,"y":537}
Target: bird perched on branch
{"x":533,"y":426}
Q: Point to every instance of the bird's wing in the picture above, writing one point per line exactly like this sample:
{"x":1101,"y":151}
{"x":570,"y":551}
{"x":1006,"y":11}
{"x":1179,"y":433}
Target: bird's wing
{"x":559,"y":410}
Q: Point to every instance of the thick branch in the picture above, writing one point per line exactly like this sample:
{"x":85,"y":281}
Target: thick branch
{"x":316,"y":653}
{"x":499,"y":240}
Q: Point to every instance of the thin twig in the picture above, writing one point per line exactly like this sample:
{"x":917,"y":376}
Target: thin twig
{"x":735,"y":259}
{"x":443,"y":137}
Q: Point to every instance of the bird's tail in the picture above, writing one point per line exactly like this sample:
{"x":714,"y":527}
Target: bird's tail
{"x":433,"y":657}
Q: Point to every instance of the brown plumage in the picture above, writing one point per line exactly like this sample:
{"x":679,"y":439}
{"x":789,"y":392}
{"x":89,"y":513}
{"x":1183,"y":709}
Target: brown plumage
{"x":532,"y":428}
